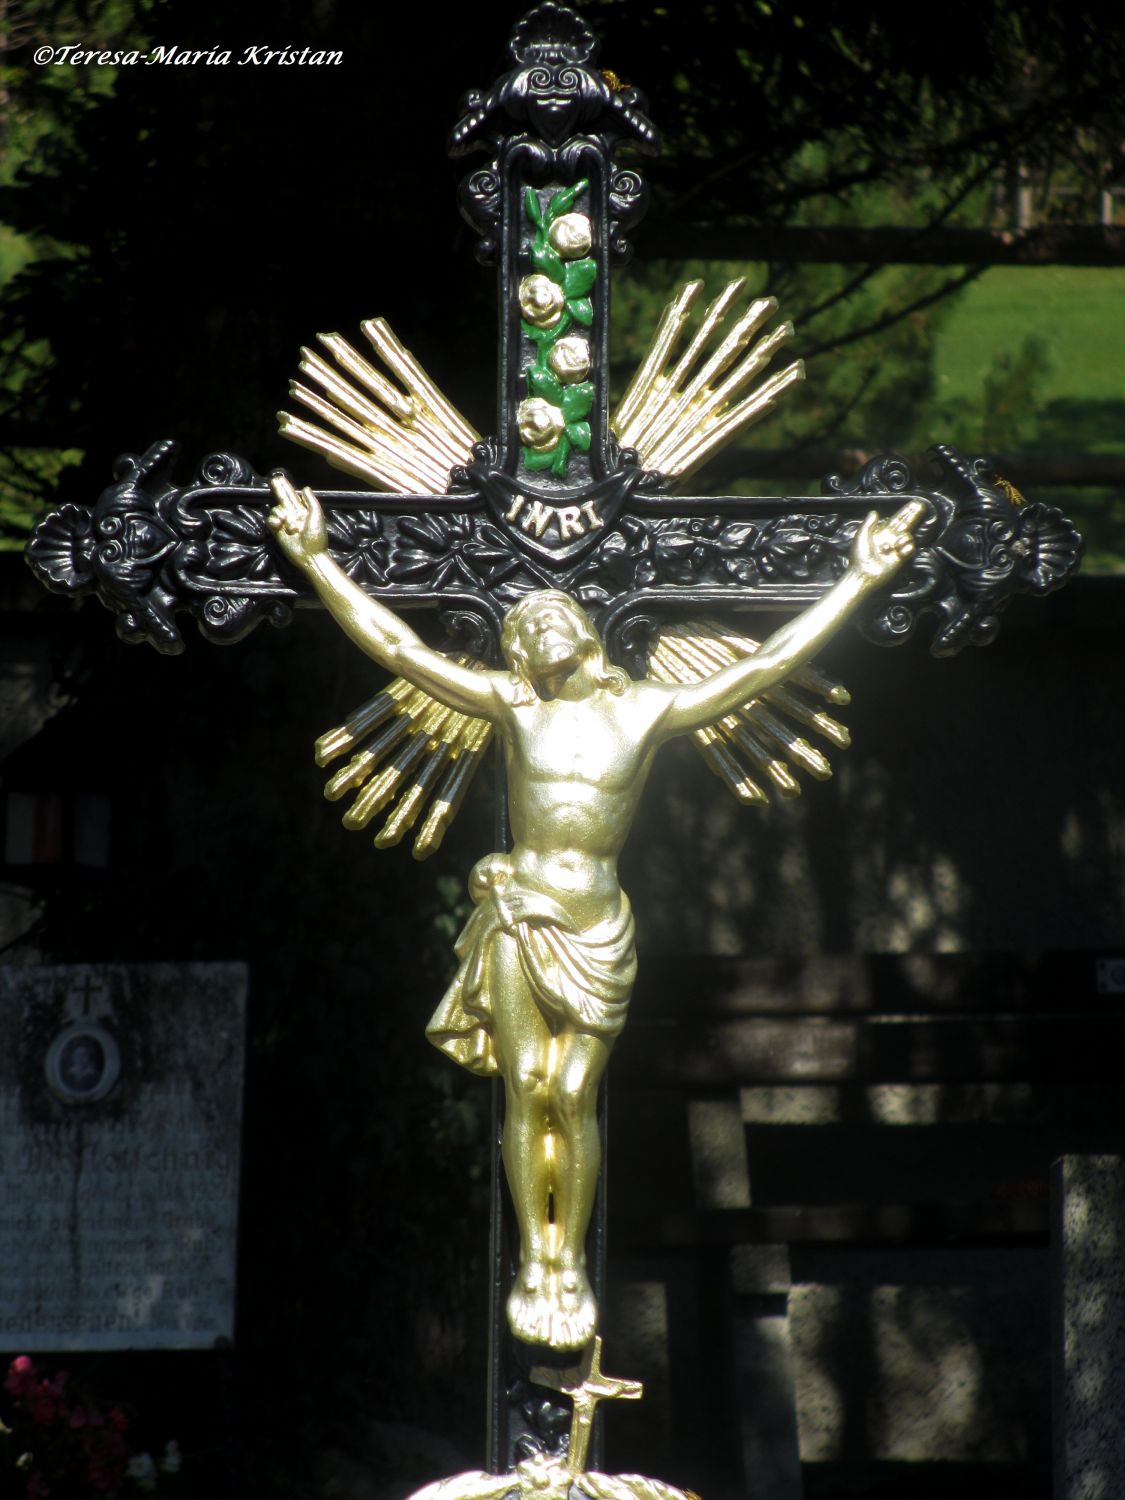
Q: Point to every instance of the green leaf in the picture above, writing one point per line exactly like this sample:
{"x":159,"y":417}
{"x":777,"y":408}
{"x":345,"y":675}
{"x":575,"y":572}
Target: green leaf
{"x":533,"y":460}
{"x":581,"y":309}
{"x":562,"y":455}
{"x":540,"y":335}
{"x":579,"y":276}
{"x":578,"y":433}
{"x":531,"y":204}
{"x":563,"y":202}
{"x":543,"y":383}
{"x":546,"y":259}
{"x":576,"y":400}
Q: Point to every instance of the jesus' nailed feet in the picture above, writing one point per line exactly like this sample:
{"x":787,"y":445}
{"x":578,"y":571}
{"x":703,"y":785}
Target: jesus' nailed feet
{"x":552,"y":1305}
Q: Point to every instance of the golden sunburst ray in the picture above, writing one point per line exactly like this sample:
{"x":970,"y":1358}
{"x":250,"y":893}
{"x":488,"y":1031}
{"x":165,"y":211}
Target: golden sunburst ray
{"x":750,"y":751}
{"x":677,"y":411}
{"x":405,"y":744}
{"x":398,"y":437}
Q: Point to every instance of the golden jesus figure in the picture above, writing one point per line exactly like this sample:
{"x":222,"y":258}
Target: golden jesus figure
{"x":547,"y":960}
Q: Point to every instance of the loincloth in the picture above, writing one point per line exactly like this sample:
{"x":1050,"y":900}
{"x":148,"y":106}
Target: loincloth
{"x":581,"y":978}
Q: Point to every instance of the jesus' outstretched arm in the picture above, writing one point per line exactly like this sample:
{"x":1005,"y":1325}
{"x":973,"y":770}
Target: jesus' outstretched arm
{"x":879,"y":550}
{"x":298,"y":522}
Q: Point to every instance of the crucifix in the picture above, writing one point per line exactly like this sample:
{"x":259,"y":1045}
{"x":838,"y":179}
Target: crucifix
{"x":548,"y":1476}
{"x":591,"y":610}
{"x":590,"y":1388}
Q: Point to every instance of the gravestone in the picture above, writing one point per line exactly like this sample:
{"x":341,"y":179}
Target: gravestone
{"x":120,"y":1109}
{"x":764,"y":1372}
{"x":1088,"y":1355}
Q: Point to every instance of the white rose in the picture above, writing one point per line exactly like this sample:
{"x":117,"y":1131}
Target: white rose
{"x":569,"y":360}
{"x":571,"y":236}
{"x":540,"y":423}
{"x":541,"y":301}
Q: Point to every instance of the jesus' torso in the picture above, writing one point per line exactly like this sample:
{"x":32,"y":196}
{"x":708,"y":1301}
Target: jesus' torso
{"x":576,"y":771}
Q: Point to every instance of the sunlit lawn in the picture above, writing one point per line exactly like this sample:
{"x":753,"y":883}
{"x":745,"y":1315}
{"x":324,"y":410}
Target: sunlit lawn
{"x":1079,"y":313}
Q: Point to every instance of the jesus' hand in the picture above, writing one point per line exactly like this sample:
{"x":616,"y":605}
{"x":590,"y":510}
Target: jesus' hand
{"x":881,"y":547}
{"x":297,"y":521}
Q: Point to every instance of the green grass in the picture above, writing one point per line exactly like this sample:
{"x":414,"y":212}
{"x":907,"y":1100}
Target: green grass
{"x":1079,"y":315}
{"x":1062,"y":329}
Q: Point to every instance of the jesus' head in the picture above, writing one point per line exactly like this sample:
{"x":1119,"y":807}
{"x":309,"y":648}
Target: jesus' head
{"x":547,"y":635}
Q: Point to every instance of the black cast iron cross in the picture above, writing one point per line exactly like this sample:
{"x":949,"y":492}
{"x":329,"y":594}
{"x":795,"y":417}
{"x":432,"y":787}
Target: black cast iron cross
{"x":593,"y":521}
{"x":554,"y":500}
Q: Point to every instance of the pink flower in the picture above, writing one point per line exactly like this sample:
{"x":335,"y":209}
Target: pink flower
{"x":37,"y":1487}
{"x":21,"y":1376}
{"x":118,"y":1420}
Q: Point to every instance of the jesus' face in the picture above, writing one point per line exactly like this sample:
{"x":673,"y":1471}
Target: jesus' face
{"x":545,"y":635}
{"x":552,"y":641}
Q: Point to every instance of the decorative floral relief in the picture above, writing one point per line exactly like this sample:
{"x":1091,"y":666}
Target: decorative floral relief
{"x":450,"y":552}
{"x":151,"y":550}
{"x":554,"y":300}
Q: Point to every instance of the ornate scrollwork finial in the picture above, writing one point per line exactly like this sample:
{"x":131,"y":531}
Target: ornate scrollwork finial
{"x":554,"y":90}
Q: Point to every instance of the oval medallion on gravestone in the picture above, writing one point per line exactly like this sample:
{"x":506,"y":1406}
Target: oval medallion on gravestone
{"x":83,"y":1063}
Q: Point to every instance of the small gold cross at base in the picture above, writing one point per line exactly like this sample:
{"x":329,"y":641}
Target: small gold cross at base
{"x":585,"y":1392}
